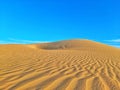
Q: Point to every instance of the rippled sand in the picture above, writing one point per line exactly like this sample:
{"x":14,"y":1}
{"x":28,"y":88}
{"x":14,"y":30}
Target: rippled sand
{"x":64,"y":65}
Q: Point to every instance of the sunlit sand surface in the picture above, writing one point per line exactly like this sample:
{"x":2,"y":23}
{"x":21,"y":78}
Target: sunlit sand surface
{"x":64,"y":65}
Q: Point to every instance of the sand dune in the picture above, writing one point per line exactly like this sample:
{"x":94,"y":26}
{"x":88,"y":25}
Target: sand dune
{"x":63,"y":65}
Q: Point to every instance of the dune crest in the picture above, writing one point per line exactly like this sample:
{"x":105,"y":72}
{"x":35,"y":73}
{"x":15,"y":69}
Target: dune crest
{"x":63,"y":65}
{"x":69,"y":44}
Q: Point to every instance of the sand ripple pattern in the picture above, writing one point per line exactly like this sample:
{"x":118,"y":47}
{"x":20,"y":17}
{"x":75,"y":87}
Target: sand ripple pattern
{"x":26,"y":68}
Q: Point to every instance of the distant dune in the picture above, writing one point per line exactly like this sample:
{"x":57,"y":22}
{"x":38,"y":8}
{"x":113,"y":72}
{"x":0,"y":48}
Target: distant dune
{"x":63,"y":65}
{"x":70,"y":44}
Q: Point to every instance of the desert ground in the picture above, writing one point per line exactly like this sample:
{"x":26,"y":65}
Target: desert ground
{"x":63,"y":65}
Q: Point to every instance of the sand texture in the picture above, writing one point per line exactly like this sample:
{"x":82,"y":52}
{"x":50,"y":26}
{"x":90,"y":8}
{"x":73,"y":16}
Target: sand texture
{"x":63,"y":65}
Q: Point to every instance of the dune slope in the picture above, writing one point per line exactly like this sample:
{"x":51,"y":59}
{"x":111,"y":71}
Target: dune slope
{"x":63,"y":65}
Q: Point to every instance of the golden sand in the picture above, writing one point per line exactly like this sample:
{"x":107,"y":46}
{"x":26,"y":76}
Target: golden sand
{"x":64,"y":65}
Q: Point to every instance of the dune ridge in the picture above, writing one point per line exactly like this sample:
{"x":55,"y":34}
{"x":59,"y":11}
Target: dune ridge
{"x":63,"y":65}
{"x":70,"y":44}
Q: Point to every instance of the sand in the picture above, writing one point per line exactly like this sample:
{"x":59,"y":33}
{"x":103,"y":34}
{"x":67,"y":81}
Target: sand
{"x":63,"y":65}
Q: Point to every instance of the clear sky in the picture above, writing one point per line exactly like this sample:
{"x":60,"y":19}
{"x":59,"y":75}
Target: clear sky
{"x":52,"y":20}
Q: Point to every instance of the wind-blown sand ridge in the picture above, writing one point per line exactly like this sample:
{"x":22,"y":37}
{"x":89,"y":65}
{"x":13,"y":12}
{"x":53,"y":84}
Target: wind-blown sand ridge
{"x":64,"y":65}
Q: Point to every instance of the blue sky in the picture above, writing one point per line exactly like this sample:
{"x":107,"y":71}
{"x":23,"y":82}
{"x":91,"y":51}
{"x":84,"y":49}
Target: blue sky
{"x":27,"y":21}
